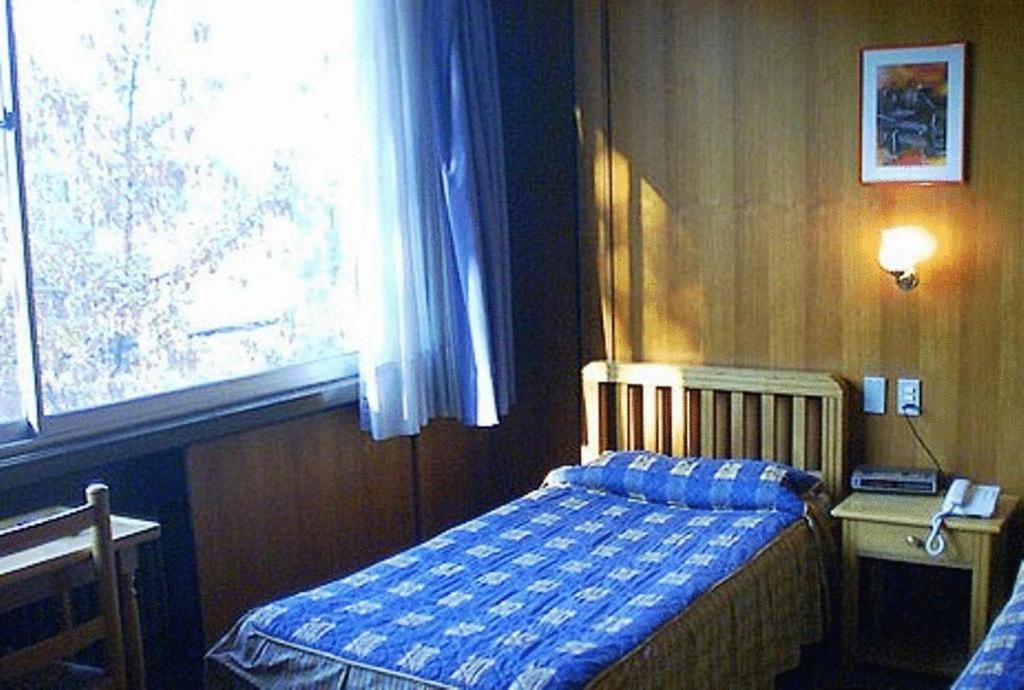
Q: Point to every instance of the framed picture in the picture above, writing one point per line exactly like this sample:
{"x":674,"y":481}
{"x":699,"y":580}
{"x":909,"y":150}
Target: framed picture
{"x":912,"y":120}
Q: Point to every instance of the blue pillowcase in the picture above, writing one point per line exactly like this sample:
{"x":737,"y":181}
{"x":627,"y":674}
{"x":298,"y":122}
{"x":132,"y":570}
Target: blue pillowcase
{"x":701,"y":483}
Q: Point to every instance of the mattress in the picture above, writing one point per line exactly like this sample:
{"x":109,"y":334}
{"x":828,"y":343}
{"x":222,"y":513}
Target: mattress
{"x":610,"y":576}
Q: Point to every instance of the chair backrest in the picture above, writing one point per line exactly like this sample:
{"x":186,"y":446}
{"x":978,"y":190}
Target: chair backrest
{"x":74,"y":636}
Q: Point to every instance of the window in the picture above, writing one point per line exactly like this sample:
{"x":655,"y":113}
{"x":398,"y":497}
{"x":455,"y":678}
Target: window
{"x":184,"y":182}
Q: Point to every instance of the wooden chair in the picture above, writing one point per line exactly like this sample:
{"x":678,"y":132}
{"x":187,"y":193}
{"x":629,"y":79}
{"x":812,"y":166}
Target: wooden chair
{"x":30,"y":666}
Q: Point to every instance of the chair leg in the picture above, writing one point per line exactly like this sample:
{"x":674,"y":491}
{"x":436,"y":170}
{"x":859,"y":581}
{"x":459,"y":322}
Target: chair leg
{"x":136,"y":670}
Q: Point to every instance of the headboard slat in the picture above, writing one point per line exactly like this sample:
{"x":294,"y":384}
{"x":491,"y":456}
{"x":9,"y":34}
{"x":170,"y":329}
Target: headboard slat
{"x":678,"y":394}
{"x":768,"y":427}
{"x":650,"y":418}
{"x":738,"y":423}
{"x":707,"y":423}
{"x":687,"y":422}
{"x":624,"y":436}
{"x":592,"y":401}
{"x":831,"y":424}
{"x":799,"y":452}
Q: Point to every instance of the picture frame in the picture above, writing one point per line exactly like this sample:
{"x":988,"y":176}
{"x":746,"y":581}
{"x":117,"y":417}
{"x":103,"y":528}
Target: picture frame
{"x":913,"y":114}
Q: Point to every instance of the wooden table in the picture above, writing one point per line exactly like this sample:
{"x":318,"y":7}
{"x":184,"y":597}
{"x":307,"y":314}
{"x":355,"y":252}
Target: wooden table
{"x":28,"y":576}
{"x":892,"y":527}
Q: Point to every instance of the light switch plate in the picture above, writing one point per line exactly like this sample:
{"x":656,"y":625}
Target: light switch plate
{"x":874,"y":394}
{"x":908,"y":397}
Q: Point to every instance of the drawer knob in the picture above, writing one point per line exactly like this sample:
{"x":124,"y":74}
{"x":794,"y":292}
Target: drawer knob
{"x":915,"y":541}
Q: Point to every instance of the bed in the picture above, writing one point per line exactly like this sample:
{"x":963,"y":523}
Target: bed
{"x":634,"y":569}
{"x":998,"y":663}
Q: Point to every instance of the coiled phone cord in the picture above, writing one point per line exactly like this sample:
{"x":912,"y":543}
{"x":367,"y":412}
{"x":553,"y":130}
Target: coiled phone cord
{"x":935,"y":544}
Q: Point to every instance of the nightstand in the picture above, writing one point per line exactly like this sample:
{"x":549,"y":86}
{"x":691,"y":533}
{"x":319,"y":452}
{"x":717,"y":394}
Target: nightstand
{"x":891,"y":527}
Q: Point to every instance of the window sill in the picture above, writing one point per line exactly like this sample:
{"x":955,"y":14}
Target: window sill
{"x":30,"y":461}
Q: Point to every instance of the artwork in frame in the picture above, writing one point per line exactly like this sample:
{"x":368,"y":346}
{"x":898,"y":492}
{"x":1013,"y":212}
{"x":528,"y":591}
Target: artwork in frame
{"x":913,"y":107}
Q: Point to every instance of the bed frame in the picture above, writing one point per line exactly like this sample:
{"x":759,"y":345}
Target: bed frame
{"x":751,"y":626}
{"x":794,"y":417}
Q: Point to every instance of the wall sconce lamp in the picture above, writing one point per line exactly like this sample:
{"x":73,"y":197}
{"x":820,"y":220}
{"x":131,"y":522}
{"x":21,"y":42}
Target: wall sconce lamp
{"x":901,"y":249}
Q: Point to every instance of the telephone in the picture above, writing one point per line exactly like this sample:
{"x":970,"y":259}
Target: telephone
{"x":964,"y":499}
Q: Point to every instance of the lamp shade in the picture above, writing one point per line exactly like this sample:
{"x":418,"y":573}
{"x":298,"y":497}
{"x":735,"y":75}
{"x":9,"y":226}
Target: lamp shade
{"x":903,"y":247}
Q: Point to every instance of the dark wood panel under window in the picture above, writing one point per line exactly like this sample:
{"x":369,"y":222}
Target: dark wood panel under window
{"x":285,"y":507}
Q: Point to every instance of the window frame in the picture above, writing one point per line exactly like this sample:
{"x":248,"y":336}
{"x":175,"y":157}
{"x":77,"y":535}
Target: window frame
{"x":200,"y":400}
{"x":39,"y":458}
{"x":25,"y":324}
{"x":144,"y":424}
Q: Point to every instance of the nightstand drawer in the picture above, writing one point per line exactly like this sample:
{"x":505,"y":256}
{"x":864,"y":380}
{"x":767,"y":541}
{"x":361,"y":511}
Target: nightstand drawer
{"x":906,"y":543}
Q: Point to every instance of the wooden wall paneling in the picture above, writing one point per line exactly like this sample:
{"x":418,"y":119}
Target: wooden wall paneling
{"x":527,"y":444}
{"x":940,"y":335}
{"x":535,"y":60}
{"x":681,"y":328}
{"x":989,"y":329}
{"x":831,"y":237}
{"x":622,"y":204}
{"x":860,"y":313}
{"x":767,"y":168}
{"x":285,"y":507}
{"x":657,"y":230}
{"x":650,"y":234}
{"x":594,"y":177}
{"x":453,"y":463}
{"x":736,"y":130}
{"x":707,"y":96}
{"x":980,"y":340}
{"x":1003,"y":153}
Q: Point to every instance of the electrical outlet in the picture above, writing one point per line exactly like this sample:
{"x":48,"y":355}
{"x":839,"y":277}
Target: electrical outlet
{"x":908,"y":397}
{"x":874,"y":394}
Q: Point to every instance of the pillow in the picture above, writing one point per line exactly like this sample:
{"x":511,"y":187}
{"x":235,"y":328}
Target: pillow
{"x":703,"y":483}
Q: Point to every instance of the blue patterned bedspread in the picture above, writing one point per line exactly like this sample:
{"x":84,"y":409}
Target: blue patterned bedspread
{"x":546,"y":591}
{"x":998,"y":664}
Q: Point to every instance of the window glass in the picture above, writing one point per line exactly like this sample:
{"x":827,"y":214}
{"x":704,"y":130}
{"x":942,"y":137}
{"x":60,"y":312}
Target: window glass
{"x":185,"y":173}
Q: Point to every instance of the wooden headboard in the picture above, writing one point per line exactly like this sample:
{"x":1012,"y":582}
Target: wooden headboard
{"x":794,"y":417}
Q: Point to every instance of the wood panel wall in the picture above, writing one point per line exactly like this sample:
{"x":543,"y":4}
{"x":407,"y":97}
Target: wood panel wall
{"x":723,"y":221}
{"x":290,"y":504}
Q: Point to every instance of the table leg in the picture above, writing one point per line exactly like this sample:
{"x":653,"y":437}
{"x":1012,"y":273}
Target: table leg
{"x":130,"y":620}
{"x":981,"y":577}
{"x":850,"y":587}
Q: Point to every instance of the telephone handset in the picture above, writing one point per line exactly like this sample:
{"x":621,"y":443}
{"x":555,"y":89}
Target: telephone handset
{"x":965,"y":499}
{"x":974,"y":500}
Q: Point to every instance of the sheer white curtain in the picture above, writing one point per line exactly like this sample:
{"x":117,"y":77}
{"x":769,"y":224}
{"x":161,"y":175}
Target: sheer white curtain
{"x":433,"y":252}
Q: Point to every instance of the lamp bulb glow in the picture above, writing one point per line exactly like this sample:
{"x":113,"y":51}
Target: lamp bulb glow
{"x":903,"y":247}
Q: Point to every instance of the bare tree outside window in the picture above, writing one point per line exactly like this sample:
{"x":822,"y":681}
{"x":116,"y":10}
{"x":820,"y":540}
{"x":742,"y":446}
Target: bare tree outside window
{"x":186,"y":169}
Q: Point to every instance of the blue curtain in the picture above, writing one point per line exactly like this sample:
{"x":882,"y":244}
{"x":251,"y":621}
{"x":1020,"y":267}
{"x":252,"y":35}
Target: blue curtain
{"x":434,"y":257}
